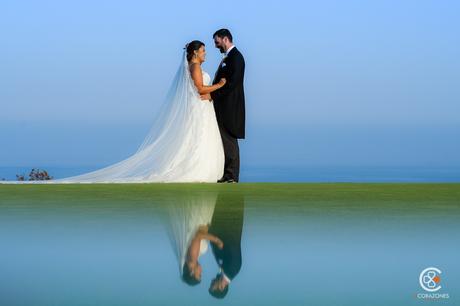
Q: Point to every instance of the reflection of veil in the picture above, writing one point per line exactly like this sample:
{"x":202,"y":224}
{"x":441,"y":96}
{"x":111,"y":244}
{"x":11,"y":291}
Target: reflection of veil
{"x":157,"y":155}
{"x":186,"y":214}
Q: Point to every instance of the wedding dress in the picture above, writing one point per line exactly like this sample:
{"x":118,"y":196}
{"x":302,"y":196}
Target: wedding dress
{"x":183,"y":145}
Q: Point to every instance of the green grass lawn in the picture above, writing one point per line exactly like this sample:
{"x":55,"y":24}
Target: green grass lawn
{"x":390,"y":195}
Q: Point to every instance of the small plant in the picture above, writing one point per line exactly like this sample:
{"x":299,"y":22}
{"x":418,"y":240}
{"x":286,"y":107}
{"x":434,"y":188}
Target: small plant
{"x":35,"y":175}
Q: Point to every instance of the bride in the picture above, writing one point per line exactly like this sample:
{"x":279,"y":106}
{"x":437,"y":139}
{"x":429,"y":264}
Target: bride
{"x":184,"y":143}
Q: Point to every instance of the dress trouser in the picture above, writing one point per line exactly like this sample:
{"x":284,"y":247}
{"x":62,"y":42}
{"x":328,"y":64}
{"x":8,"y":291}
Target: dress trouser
{"x":232,"y":155}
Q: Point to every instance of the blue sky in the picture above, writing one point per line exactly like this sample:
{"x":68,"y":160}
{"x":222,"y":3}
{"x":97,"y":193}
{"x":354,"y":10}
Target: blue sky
{"x":330,"y":82}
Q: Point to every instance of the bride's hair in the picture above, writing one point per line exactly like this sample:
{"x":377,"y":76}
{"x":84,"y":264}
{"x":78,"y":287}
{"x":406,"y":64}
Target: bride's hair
{"x":187,"y":278}
{"x":191,"y":47}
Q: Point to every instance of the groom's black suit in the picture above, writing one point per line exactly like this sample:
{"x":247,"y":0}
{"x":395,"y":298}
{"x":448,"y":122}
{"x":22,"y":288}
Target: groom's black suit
{"x":229,"y":105}
{"x":227,"y":224}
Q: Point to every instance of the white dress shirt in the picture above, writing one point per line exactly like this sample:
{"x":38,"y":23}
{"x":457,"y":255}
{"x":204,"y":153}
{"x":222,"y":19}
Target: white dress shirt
{"x":228,"y":51}
{"x":225,"y":276}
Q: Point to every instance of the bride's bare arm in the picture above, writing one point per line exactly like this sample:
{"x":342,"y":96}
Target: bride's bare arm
{"x":194,"y":249}
{"x":213,"y":239}
{"x":202,"y":233}
{"x":197,"y":77}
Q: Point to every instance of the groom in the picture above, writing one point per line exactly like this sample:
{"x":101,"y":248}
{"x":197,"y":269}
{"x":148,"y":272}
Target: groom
{"x":229,"y":103}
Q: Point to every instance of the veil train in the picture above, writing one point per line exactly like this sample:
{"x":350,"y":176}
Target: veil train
{"x":157,"y":156}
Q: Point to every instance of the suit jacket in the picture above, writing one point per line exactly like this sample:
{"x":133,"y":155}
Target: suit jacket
{"x":227,"y":224}
{"x":229,"y":101}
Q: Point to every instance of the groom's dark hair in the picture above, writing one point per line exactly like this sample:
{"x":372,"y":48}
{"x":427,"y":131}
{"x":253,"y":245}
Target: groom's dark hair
{"x":217,"y":293}
{"x":224,"y":33}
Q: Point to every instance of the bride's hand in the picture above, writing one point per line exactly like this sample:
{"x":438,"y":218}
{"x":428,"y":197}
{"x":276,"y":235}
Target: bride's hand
{"x":222,"y":82}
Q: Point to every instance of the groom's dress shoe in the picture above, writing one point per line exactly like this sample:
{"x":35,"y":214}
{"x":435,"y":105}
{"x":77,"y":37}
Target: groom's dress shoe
{"x":227,"y":180}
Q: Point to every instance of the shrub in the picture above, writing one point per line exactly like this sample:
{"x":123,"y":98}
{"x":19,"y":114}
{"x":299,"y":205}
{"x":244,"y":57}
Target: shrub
{"x":35,"y":175}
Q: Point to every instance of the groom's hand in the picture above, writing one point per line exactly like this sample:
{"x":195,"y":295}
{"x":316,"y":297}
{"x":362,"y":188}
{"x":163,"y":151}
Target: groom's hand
{"x":205,"y":97}
{"x":219,"y":244}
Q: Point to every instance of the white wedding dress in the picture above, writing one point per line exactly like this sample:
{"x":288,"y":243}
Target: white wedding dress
{"x":183,"y":145}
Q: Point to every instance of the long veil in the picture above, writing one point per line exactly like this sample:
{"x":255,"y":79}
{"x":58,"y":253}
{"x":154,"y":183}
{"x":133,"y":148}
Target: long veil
{"x":155,"y":157}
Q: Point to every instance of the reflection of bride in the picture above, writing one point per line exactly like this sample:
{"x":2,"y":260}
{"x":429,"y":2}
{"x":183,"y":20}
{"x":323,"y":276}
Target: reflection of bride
{"x":189,"y":219}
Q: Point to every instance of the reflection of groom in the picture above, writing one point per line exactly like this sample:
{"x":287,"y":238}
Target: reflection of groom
{"x":229,"y":103}
{"x":227,"y":224}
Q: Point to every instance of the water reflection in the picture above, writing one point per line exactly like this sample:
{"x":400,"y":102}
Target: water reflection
{"x":189,"y":219}
{"x":199,"y":219}
{"x":227,"y":224}
{"x":286,"y":244}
